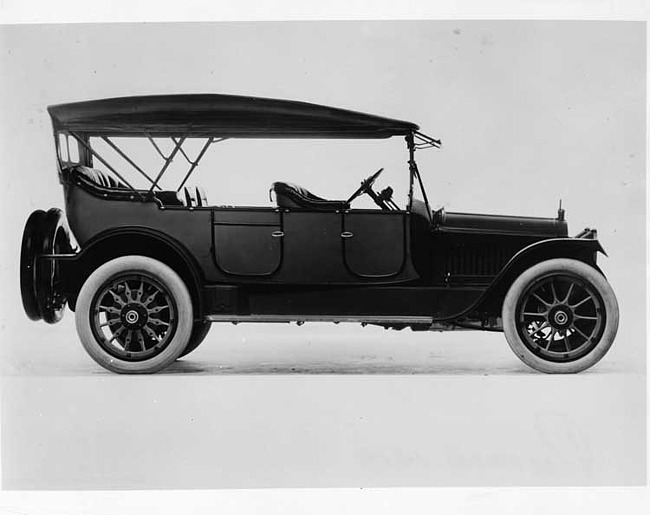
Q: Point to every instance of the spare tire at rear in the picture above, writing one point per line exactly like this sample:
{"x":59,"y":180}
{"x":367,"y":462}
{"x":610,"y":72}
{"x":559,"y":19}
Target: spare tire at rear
{"x":31,"y":247}
{"x":41,"y":283}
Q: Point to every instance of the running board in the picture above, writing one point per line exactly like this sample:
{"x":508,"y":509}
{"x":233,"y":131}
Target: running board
{"x":368,"y":319}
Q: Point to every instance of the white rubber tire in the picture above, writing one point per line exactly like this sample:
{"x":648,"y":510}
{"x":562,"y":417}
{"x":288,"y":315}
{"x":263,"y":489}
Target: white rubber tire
{"x":199,"y":332}
{"x":589,"y":275}
{"x":177,"y":289}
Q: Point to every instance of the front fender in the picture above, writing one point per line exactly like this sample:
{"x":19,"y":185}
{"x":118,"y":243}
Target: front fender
{"x":581,"y":249}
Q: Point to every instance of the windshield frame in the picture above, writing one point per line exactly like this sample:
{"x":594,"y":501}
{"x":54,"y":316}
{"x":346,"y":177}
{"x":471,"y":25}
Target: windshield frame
{"x":414,"y":173}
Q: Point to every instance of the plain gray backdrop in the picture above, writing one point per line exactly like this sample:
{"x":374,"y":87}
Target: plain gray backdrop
{"x":528,"y":112}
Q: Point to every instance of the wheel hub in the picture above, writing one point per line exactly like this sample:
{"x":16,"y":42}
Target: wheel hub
{"x":134,"y":316}
{"x":560,"y":317}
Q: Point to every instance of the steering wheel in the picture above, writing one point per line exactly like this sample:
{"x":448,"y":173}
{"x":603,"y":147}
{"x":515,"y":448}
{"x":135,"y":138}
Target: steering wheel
{"x":365,"y":185}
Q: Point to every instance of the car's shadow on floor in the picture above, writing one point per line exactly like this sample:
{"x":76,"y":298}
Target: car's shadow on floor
{"x":361,"y":364}
{"x":195,"y":367}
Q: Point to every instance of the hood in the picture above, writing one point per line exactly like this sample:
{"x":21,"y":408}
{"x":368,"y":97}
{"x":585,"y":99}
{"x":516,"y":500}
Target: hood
{"x":500,"y":224}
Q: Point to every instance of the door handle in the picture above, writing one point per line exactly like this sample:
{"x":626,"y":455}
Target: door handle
{"x":346,"y":234}
{"x":277,"y":234}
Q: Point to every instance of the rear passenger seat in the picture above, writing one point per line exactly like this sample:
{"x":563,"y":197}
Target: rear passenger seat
{"x":100,"y":177}
{"x":190,"y":197}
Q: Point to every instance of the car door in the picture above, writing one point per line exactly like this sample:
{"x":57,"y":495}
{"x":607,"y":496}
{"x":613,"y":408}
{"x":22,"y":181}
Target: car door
{"x":247,"y":241}
{"x":312,"y":248}
{"x":374,"y":242}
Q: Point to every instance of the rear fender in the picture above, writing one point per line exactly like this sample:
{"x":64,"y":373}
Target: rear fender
{"x":134,"y":241}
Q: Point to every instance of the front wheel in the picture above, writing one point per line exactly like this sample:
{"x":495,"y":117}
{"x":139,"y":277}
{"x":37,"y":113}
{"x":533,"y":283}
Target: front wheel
{"x":134,"y":315}
{"x":560,"y":316}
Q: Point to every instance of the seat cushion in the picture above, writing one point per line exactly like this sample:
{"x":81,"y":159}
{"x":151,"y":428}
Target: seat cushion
{"x":292,"y":196}
{"x":100,"y":177}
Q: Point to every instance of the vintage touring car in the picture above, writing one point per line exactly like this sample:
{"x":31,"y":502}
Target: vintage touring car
{"x":148,"y":270}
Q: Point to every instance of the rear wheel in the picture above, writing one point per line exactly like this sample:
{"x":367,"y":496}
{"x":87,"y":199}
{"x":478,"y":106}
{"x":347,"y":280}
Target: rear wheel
{"x":560,"y":316}
{"x":134,"y":315}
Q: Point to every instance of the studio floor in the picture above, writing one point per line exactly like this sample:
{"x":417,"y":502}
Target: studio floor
{"x":316,"y":406}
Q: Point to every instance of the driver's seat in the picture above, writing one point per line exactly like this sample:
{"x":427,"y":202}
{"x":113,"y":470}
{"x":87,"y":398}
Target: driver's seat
{"x":292,"y":196}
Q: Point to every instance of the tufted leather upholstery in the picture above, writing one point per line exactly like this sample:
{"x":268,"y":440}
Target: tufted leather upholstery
{"x":292,"y":196}
{"x":100,"y":177}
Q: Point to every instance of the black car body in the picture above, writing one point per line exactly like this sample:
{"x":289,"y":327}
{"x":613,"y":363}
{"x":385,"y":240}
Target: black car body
{"x":303,"y":259}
